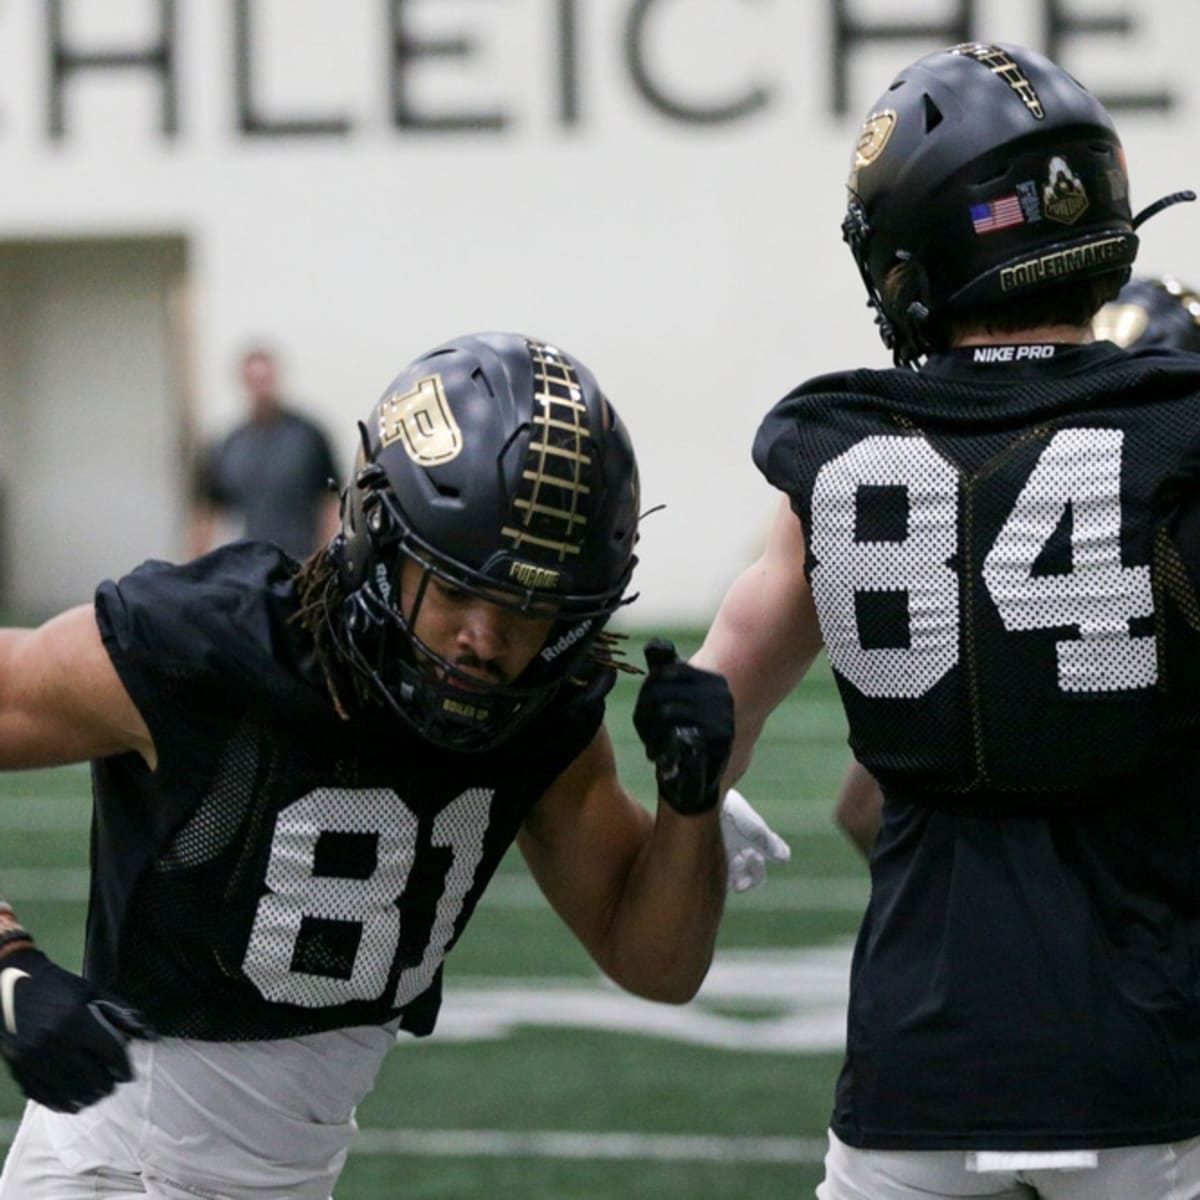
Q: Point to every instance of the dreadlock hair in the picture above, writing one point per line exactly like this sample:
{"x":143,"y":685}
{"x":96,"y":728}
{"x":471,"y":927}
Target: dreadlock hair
{"x":319,"y":590}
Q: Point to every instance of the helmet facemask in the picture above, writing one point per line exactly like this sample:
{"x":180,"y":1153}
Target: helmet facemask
{"x":446,"y":704}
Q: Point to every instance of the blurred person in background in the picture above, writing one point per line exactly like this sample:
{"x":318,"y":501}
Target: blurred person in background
{"x":305,"y":775}
{"x":998,"y":544}
{"x":1149,"y":313}
{"x":272,"y":478}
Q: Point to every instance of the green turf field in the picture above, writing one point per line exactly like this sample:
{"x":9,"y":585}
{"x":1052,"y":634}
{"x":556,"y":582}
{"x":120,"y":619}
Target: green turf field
{"x":544,"y":1081}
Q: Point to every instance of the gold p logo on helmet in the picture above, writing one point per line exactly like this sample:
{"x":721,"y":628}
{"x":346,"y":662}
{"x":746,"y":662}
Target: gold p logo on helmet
{"x":872,"y":139}
{"x":422,"y":420}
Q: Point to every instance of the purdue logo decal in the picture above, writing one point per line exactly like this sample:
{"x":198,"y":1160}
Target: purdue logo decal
{"x":530,"y":576}
{"x":1063,"y":197}
{"x":872,"y":139}
{"x":422,"y":420}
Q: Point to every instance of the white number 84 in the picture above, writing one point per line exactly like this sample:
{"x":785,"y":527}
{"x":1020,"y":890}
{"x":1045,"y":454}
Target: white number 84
{"x":1098,"y":597}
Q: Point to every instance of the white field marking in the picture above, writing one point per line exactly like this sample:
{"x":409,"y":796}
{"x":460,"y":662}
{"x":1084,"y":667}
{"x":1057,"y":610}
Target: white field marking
{"x":516,"y":891}
{"x":37,"y":814}
{"x":495,"y":1143}
{"x":838,"y":893}
{"x":793,"y":1001}
{"x":60,"y":814}
{"x":45,"y":883}
{"x":499,"y":1143}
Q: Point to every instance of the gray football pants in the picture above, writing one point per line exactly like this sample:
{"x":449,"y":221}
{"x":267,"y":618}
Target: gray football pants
{"x":33,"y":1170}
{"x":1170,"y":1171}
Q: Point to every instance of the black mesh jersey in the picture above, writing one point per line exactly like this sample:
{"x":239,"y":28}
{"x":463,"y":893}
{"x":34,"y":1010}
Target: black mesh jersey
{"x":1003,"y":550}
{"x":284,"y":871}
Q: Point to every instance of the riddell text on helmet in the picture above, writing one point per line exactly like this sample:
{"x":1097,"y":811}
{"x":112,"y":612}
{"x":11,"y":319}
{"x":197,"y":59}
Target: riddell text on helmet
{"x":1062,"y":263}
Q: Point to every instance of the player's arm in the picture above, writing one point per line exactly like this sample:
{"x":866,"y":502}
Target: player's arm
{"x":61,"y":699}
{"x":206,"y":505}
{"x":202,"y":529}
{"x":859,"y":810}
{"x":765,"y":634}
{"x":643,"y":894}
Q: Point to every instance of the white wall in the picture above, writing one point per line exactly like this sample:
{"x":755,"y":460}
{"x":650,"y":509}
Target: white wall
{"x":697,"y":268}
{"x":92,"y":458}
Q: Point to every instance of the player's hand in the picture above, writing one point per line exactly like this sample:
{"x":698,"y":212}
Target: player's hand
{"x":750,"y":843}
{"x":64,"y":1042}
{"x":684,"y":717}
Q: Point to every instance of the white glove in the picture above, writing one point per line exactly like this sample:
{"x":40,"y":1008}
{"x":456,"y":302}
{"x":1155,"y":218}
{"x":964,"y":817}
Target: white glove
{"x":750,"y":843}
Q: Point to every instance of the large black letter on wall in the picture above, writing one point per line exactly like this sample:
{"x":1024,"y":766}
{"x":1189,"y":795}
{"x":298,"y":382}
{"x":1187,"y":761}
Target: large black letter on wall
{"x":568,"y":62}
{"x":847,"y":32}
{"x":249,"y":121}
{"x":404,"y":49}
{"x":159,"y":56}
{"x":713,"y":114}
{"x":1058,"y":25}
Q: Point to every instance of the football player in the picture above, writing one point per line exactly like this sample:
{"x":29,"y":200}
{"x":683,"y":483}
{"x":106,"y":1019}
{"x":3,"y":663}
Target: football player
{"x":1000,"y":552}
{"x":304,"y":777}
{"x":1149,"y":313}
{"x":1152,"y":313}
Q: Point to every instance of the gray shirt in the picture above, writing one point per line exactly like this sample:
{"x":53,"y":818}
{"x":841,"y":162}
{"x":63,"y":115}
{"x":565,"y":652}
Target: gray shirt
{"x":272,"y":476}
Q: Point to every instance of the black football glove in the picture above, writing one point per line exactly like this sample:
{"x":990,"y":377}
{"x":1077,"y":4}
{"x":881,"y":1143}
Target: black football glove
{"x":64,"y":1042}
{"x":684,"y":717}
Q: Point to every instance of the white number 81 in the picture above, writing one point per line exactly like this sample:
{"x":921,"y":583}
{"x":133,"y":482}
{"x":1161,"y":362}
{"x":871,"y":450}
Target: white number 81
{"x":296,"y":892}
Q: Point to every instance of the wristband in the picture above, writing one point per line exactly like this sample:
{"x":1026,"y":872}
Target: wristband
{"x":10,"y":939}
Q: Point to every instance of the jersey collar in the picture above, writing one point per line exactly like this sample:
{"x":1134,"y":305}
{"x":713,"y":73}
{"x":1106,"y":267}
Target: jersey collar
{"x":1021,"y":360}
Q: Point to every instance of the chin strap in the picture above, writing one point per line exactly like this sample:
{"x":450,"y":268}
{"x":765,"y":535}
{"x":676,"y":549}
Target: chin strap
{"x":1152,"y":210}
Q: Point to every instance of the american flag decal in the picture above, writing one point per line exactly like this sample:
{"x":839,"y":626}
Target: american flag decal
{"x":997,"y":214}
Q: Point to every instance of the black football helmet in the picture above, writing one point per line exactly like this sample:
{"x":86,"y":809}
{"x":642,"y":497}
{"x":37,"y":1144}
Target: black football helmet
{"x":495,"y":463}
{"x":993,"y":173}
{"x":1152,"y":314}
